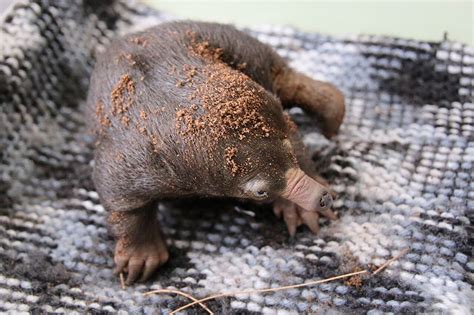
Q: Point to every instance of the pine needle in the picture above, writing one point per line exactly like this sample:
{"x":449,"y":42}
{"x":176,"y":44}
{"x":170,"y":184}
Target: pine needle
{"x":388,"y":262}
{"x":250,"y":291}
{"x":179,"y":293}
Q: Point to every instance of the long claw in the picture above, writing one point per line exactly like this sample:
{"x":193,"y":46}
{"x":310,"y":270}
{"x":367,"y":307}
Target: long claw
{"x":310,"y":219}
{"x":134,"y":270}
{"x":140,"y":259}
{"x":295,"y":215}
{"x":151,"y":264}
{"x":120,"y":265}
{"x":291,"y":220}
{"x":328,"y":213}
{"x":277,"y":210}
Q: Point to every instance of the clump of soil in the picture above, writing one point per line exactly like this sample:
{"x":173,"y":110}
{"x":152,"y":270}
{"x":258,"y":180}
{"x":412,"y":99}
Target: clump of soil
{"x":143,"y":115}
{"x":189,"y":72}
{"x":155,"y":143}
{"x":100,"y":113}
{"x":119,"y":157}
{"x":203,"y":48}
{"x":230,"y":153}
{"x":121,"y":95}
{"x":227,"y":105}
{"x":292,"y":127}
{"x":128,"y":57}
{"x":354,"y":281}
{"x":142,"y":130}
{"x":132,"y":61}
{"x":231,"y":106}
{"x":351,"y":264}
{"x":125,"y":120}
{"x":242,"y":66}
{"x":122,"y":98}
{"x":139,"y":41}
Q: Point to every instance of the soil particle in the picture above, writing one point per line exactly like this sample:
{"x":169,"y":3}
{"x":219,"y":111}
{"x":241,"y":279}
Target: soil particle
{"x":292,"y":127}
{"x":186,"y":117}
{"x":129,"y":57}
{"x":188,"y":72}
{"x":125,"y":120}
{"x":354,"y":281}
{"x":351,"y":264}
{"x":119,"y":157}
{"x":100,"y":113}
{"x":143,"y":115}
{"x":242,"y":66}
{"x":121,"y":95}
{"x":121,"y":98}
{"x":230,"y":153}
{"x":139,"y":41}
{"x":155,"y":143}
{"x":203,"y":48}
{"x":142,"y":130}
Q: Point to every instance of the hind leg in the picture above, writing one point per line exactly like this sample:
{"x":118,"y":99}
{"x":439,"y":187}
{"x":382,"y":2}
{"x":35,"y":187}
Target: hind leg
{"x":140,"y":247}
{"x":319,"y":99}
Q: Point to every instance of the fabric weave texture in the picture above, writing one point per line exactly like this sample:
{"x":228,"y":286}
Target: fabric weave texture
{"x":402,"y":167}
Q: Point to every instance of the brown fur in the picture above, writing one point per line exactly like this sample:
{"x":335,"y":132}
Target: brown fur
{"x":192,"y":110}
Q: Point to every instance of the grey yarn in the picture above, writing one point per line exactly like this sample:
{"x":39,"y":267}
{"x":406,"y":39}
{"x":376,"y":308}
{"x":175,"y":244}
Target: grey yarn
{"x":402,"y":166}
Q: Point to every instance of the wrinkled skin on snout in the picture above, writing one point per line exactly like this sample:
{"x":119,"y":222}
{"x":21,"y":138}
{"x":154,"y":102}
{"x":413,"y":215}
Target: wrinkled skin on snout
{"x":302,"y":201}
{"x":306,"y":192}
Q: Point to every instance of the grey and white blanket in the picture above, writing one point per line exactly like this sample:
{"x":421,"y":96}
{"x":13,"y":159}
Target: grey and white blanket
{"x":402,"y":167}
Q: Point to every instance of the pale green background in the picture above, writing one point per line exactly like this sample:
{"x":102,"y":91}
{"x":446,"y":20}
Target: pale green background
{"x":420,"y":19}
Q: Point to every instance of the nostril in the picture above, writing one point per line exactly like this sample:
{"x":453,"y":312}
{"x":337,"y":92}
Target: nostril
{"x":326,"y":200}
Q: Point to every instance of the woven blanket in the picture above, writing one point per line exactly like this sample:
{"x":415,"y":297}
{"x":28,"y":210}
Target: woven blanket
{"x":402,"y":167}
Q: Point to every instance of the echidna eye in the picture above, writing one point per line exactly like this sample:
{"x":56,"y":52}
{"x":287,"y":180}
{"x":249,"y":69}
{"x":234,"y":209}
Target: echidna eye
{"x":261,"y":193}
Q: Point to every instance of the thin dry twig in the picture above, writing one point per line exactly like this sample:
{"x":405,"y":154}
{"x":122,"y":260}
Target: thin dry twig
{"x":250,"y":291}
{"x":388,"y":262}
{"x":122,"y":281}
{"x":179,"y":293}
{"x":267,"y":290}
